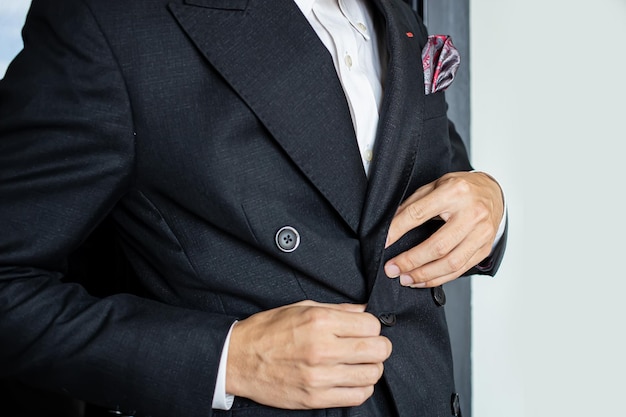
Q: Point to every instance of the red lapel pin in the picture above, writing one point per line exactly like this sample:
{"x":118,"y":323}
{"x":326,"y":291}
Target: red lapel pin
{"x":409,"y":34}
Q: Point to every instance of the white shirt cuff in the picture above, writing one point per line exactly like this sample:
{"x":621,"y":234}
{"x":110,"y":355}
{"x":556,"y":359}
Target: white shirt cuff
{"x":222,"y":400}
{"x":501,"y":227}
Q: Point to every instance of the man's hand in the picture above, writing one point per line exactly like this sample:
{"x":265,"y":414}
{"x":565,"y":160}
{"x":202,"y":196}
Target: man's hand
{"x":306,"y":356}
{"x":472,"y":207}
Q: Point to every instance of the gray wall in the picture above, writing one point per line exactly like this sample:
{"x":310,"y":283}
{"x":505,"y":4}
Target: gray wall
{"x":548,"y":120}
{"x":12,"y":15}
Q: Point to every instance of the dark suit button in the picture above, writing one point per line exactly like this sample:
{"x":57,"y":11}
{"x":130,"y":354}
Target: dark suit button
{"x":456,"y":405}
{"x":387,"y":319}
{"x":287,"y":239}
{"x":438,"y":295}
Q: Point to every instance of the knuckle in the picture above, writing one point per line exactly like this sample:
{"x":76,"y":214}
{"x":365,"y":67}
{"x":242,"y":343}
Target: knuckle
{"x":369,"y":324}
{"x":388,"y":347}
{"x":362,"y":346}
{"x":407,"y":262}
{"x":358,"y":396}
{"x":380,"y":348}
{"x":461,"y":185}
{"x":457,"y":262}
{"x":440,"y":248}
{"x":313,"y":356}
{"x":376,"y":373}
{"x":416,"y":212}
{"x":420,"y":275}
{"x":314,"y":351}
{"x":310,"y":379}
{"x":373,"y":324}
{"x":480,"y":212}
{"x":317,"y":317}
{"x":370,"y":375}
{"x":381,"y":371}
{"x":366,"y":392}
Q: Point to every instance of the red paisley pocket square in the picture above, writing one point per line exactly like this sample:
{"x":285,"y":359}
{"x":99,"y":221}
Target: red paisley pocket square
{"x":441,"y":60}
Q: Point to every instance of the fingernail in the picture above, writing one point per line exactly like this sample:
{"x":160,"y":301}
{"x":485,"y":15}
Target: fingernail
{"x":406,"y":280}
{"x":419,"y":285}
{"x":392,"y":270}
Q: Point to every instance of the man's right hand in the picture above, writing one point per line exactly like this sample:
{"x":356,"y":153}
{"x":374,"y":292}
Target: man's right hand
{"x":307,"y":355}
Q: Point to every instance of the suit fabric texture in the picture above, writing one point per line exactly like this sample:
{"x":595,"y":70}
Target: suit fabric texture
{"x":198,"y":129}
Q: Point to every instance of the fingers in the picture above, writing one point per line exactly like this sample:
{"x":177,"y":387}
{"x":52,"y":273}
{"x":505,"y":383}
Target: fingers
{"x":351,"y":324}
{"x":336,"y":397}
{"x":471,"y":205}
{"x":415,"y":211}
{"x":342,"y":320}
{"x":348,"y":351}
{"x":342,"y":376}
{"x":307,"y":355}
{"x":450,"y":249}
{"x":343,"y":397}
{"x":440,"y":271}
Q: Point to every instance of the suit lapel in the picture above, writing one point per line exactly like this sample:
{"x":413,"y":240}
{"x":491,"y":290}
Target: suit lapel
{"x":268,"y":53}
{"x":273,"y":59}
{"x":399,"y":135}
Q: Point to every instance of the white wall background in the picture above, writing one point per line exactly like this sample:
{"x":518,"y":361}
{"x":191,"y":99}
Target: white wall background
{"x":12,"y":13}
{"x":548,"y":93}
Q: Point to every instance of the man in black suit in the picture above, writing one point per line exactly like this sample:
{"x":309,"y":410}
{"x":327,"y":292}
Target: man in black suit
{"x":289,"y":234}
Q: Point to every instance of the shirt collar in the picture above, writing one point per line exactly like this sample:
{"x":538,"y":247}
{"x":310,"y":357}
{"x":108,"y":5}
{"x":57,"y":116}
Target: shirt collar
{"x":305,"y":6}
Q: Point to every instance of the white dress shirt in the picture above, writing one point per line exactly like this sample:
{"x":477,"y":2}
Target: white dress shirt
{"x":346,"y":28}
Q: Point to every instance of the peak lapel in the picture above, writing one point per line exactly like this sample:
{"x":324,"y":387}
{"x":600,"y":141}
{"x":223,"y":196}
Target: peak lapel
{"x":399,"y":132}
{"x":273,"y":59}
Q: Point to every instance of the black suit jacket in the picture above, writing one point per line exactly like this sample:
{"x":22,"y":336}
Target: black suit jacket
{"x":201,"y":128}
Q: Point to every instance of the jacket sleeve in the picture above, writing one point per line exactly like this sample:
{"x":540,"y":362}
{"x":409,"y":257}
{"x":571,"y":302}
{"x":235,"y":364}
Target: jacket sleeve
{"x":460,"y":162}
{"x":66,"y":157}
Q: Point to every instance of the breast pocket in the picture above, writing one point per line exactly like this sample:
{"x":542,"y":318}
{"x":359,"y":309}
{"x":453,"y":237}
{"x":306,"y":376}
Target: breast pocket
{"x":435,"y":150}
{"x":435,"y":105}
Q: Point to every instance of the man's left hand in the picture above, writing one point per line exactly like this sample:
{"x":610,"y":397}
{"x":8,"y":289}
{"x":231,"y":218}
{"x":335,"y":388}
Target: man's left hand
{"x":471,"y":205}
